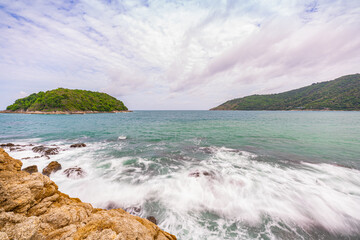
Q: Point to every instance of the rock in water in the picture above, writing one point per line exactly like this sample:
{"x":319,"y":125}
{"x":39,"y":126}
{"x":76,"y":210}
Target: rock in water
{"x":31,"y":207}
{"x":54,"y":166}
{"x":75,"y":172}
{"x":31,"y":169}
{"x":46,"y":150}
{"x":78,"y":145}
{"x":7,"y":145}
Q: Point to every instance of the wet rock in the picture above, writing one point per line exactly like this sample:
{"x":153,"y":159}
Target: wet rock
{"x":54,"y":166}
{"x":151,"y":219}
{"x":75,"y":172}
{"x":205,"y":173}
{"x":13,"y":149}
{"x":31,"y":169}
{"x":46,"y":150}
{"x":7,"y":145}
{"x":78,"y":145}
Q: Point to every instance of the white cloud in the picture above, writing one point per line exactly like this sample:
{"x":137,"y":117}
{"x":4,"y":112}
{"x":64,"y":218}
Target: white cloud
{"x":161,"y":54}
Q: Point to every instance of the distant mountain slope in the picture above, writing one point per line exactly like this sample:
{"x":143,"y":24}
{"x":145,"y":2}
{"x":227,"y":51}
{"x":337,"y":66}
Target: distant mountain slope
{"x":62,"y":99}
{"x":340,"y":94}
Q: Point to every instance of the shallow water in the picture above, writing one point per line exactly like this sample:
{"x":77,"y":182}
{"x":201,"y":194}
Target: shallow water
{"x":207,"y":174}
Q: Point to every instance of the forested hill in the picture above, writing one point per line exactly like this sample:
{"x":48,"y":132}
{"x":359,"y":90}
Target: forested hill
{"x":340,"y":94}
{"x":67,"y":100}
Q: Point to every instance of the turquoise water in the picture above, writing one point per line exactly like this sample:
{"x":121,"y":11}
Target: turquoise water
{"x":210,"y":174}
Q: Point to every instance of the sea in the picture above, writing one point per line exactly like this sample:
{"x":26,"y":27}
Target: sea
{"x":208,"y":174}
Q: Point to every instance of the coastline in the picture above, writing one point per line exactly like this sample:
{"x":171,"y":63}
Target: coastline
{"x":61,"y":112}
{"x":290,"y":110}
{"x":32,"y":207}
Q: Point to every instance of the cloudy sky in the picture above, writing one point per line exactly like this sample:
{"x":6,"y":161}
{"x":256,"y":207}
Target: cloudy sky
{"x":167,"y":54}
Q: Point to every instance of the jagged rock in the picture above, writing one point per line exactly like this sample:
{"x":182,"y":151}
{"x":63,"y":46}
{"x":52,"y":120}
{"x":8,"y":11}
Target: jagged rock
{"x":54,"y":166}
{"x":78,"y":145}
{"x":31,"y":207}
{"x":46,"y":150}
{"x":75,"y":172}
{"x":151,"y":219}
{"x":31,"y":169}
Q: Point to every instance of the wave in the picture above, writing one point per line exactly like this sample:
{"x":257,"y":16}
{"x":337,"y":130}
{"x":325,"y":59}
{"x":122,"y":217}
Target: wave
{"x":229,"y":194}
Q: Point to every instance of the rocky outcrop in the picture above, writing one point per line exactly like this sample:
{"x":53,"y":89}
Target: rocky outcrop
{"x":31,"y":207}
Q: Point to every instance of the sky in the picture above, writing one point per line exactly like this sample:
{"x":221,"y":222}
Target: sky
{"x":175,"y":55}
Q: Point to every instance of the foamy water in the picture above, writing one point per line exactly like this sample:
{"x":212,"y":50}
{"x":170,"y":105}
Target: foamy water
{"x":228,"y":194}
{"x":198,"y":190}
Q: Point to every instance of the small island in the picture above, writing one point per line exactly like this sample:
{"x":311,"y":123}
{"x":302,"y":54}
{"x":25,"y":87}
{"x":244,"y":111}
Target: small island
{"x":340,"y":94}
{"x":67,"y":101}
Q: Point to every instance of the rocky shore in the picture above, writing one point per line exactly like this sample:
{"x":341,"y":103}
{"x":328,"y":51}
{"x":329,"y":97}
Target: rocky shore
{"x":61,"y":112}
{"x":31,"y":207}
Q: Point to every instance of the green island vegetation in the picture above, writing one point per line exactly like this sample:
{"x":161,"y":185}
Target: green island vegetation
{"x":340,"y":94}
{"x":68,"y":100}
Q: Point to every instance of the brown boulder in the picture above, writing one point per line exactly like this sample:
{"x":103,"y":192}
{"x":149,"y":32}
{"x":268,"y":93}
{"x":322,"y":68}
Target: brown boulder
{"x":54,"y":166}
{"x":31,"y":169}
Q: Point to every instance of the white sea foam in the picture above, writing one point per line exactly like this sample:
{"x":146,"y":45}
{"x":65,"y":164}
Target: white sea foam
{"x":235,"y":189}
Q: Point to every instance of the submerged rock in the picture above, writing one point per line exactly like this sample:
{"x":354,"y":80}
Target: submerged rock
{"x":46,"y":150}
{"x":75,"y":172}
{"x":54,"y":166}
{"x":31,"y":169}
{"x":31,"y":207}
{"x":78,"y":145}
